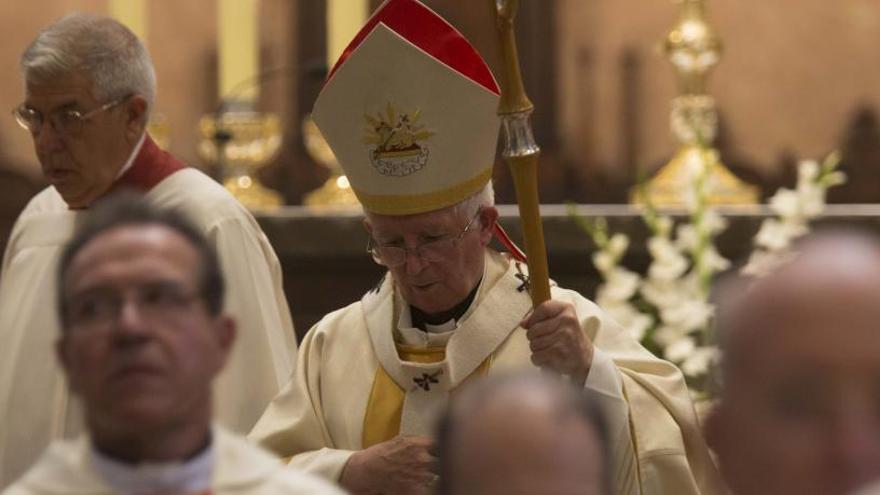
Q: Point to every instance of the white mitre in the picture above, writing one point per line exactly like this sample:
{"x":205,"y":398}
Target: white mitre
{"x":410,"y":110}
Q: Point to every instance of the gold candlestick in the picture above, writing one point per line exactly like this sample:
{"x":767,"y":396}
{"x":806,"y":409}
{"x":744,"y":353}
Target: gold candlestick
{"x":694,"y":49}
{"x":336,"y":193}
{"x":344,"y":18}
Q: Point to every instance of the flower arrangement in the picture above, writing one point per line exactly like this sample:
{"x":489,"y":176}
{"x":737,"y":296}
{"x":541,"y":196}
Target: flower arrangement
{"x":668,"y":309}
{"x":794,"y":209}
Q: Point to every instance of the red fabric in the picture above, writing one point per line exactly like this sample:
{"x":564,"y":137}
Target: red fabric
{"x":151,"y":166}
{"x":508,"y":243}
{"x":422,"y":27}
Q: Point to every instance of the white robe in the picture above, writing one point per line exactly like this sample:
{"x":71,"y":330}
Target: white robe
{"x":35,"y":404}
{"x":318,"y":419}
{"x":240,"y":468}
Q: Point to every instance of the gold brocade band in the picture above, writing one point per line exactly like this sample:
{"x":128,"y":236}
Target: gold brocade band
{"x":411,"y":204}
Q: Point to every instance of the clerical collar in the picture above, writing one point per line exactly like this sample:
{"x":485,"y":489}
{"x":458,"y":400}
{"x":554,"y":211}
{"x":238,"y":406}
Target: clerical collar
{"x":440,"y":322}
{"x":191,"y":476}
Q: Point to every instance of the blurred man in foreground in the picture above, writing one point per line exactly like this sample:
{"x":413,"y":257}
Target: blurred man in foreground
{"x":799,"y":411}
{"x":523,"y":434}
{"x":143,"y":337}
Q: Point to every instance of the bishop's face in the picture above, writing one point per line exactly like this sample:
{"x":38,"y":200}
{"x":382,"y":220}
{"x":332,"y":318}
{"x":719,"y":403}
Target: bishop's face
{"x":435,"y":286}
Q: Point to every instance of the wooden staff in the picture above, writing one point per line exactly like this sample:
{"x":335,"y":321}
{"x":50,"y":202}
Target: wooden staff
{"x":521,"y":152}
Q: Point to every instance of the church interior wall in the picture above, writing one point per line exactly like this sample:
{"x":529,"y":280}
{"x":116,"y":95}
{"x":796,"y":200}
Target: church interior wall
{"x":797,"y":79}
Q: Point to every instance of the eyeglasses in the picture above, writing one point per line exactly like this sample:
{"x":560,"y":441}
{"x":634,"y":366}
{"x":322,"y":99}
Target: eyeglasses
{"x":64,"y":121}
{"x":98,"y":308}
{"x":433,"y":251}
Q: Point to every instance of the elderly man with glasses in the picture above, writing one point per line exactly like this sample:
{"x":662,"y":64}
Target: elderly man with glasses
{"x":89,"y":89}
{"x":410,"y":112}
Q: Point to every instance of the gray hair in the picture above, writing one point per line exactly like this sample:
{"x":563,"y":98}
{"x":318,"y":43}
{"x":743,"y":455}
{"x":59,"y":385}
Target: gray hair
{"x":568,"y":401}
{"x":468,"y":207}
{"x":97,"y":47}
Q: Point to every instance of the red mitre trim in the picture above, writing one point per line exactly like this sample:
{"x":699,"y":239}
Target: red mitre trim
{"x":425,"y":29}
{"x":151,"y":166}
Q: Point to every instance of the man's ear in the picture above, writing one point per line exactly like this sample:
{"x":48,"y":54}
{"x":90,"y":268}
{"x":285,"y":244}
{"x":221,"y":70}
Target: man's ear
{"x":135,"y":117}
{"x":488,"y":217}
{"x":226,"y":332}
{"x":62,"y":352}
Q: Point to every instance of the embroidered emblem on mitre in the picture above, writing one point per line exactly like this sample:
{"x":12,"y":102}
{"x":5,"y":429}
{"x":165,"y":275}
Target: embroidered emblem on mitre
{"x":396,"y":141}
{"x":410,"y":112}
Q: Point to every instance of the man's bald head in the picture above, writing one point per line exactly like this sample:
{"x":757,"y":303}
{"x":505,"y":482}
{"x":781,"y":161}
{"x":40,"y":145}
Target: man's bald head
{"x":799,"y":410}
{"x":523,"y":434}
{"x":833,"y":271}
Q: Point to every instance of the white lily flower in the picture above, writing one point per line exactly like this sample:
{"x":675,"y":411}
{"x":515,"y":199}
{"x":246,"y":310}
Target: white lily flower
{"x":699,"y":361}
{"x":603,"y":261}
{"x":808,"y":172}
{"x":686,"y":237}
{"x":714,"y":222}
{"x":680,"y":349}
{"x":714,"y":261}
{"x":668,"y":262}
{"x":692,"y":314}
{"x":689,"y":285}
{"x":812,"y":200}
{"x":777,"y":236}
{"x":785,"y":203}
{"x":620,"y":285}
{"x":660,"y":293}
{"x":617,"y":245}
{"x":667,"y":334}
{"x":668,"y":269}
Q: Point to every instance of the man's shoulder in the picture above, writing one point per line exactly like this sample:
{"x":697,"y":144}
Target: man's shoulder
{"x":46,"y":201}
{"x":63,"y":467}
{"x":46,"y":221}
{"x":199,"y":196}
{"x":241,"y":463}
{"x":344,"y":319}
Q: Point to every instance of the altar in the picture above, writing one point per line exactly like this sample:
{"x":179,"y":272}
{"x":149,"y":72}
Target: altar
{"x":326,"y":265}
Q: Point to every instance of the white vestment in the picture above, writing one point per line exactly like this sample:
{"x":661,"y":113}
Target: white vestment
{"x":239,"y":468}
{"x":35,"y":404}
{"x":318,"y":420}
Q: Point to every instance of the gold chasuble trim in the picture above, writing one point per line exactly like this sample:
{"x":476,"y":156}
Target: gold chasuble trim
{"x":411,"y":204}
{"x":385,"y":406}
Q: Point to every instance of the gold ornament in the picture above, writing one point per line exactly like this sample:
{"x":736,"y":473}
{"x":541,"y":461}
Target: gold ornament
{"x":241,"y":143}
{"x":694,"y":49}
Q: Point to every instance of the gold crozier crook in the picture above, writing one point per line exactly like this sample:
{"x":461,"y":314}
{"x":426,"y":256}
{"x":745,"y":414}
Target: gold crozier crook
{"x":521,"y":152}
